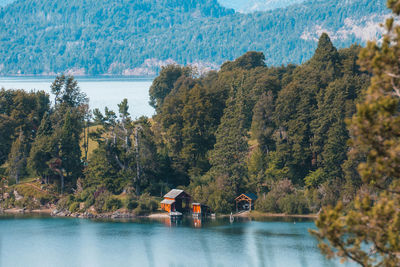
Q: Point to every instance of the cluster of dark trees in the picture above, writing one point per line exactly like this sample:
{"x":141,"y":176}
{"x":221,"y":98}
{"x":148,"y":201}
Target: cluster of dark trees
{"x":249,"y":127}
{"x":111,"y":36}
{"x":39,"y":139}
{"x":279,"y":132}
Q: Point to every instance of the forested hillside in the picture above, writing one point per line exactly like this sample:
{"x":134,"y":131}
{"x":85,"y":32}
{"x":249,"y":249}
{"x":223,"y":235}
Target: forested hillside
{"x":279,"y":132}
{"x":135,"y":37}
{"x":5,"y":2}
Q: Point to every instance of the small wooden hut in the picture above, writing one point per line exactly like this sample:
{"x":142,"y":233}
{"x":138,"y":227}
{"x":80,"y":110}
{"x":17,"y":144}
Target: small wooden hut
{"x":176,"y":200}
{"x":199,"y":209}
{"x":245,"y":201}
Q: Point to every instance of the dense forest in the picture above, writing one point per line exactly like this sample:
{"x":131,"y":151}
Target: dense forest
{"x":5,"y":2}
{"x":136,"y":37}
{"x":279,"y":132}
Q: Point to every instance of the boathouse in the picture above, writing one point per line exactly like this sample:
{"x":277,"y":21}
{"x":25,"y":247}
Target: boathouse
{"x":176,"y":200}
{"x":245,"y":201}
{"x":199,"y":209}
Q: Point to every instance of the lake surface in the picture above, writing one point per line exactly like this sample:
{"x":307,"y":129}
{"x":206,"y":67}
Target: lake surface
{"x":46,"y":241}
{"x":102,"y":91}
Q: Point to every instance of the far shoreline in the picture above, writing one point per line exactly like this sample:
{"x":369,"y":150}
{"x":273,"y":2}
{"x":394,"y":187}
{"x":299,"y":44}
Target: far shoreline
{"x":98,"y":76}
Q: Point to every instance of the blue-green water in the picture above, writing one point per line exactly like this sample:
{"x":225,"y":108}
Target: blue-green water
{"x":45,"y":241}
{"x":101,"y":91}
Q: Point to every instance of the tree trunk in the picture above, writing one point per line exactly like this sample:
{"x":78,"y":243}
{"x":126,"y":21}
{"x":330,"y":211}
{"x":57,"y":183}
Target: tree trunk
{"x":137,"y":162}
{"x":62,"y":183}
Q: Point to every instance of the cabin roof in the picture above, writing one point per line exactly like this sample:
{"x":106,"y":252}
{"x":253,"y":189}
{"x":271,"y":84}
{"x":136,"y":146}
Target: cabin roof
{"x":251,"y":196}
{"x":168,"y":201}
{"x":248,"y":195}
{"x":174,"y":193}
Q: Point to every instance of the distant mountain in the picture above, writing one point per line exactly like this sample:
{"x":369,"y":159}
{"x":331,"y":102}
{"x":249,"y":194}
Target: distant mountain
{"x":247,"y":6}
{"x":137,"y":37}
{"x":5,"y":2}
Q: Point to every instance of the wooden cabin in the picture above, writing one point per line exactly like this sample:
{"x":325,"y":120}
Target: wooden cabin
{"x":245,"y":201}
{"x":176,"y":200}
{"x":199,"y":209}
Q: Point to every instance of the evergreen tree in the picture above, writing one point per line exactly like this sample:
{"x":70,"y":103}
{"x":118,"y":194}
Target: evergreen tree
{"x":228,"y":157}
{"x":6,"y":132}
{"x":164,"y":83}
{"x":17,"y":158}
{"x":43,"y":149}
{"x":263,"y":125}
{"x":369,"y":233}
{"x":70,"y":151}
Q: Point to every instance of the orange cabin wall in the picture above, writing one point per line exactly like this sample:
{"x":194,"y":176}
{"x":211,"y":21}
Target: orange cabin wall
{"x":196,"y":209}
{"x":166,"y":207}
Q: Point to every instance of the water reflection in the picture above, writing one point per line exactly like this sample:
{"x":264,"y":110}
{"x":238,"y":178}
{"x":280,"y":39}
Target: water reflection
{"x":162,"y":242}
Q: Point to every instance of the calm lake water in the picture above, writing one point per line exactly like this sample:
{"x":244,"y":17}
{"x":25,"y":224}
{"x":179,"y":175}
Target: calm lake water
{"x":102,"y":91}
{"x":45,"y":241}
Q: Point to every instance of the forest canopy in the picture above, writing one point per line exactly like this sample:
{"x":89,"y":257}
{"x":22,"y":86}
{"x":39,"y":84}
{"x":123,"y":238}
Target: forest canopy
{"x":279,"y":132}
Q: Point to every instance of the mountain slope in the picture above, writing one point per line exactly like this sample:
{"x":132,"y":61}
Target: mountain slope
{"x":247,"y":6}
{"x":136,"y":37}
{"x":5,"y":2}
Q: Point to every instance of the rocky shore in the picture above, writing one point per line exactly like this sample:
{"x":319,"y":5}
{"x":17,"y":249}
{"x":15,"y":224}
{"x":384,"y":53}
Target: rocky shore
{"x":54,"y":212}
{"x":89,"y":215}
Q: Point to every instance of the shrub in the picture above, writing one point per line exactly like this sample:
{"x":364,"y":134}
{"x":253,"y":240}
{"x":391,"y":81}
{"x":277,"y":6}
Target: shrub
{"x":132,"y":204}
{"x":74,"y":207}
{"x":283,"y":197}
{"x":100,"y":198}
{"x":293,"y":204}
{"x":221,"y":201}
{"x":267,"y":204}
{"x":65,"y":202}
{"x":89,"y":201}
{"x":112,"y":204}
{"x":46,"y":199}
{"x":145,"y":205}
{"x":28,"y":203}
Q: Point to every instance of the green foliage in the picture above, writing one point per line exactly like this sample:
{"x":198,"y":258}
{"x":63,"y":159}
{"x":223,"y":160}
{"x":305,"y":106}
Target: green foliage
{"x":126,"y":153}
{"x":30,"y":191}
{"x":74,"y":207}
{"x":164,"y":83}
{"x":20,"y":114}
{"x":283,"y":198}
{"x":368,"y":231}
{"x":293,"y":204}
{"x":314,"y":178}
{"x":28,"y":203}
{"x":17,"y":158}
{"x":244,"y":128}
{"x":267,"y":125}
{"x":69,"y":147}
{"x":65,"y":202}
{"x":145,"y":205}
{"x":132,"y":204}
{"x":112,"y":204}
{"x":248,"y":61}
{"x":102,"y":196}
{"x":267,"y":204}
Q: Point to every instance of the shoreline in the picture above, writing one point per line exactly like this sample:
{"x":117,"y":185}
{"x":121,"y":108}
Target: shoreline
{"x":158,"y":215}
{"x":257,"y":214}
